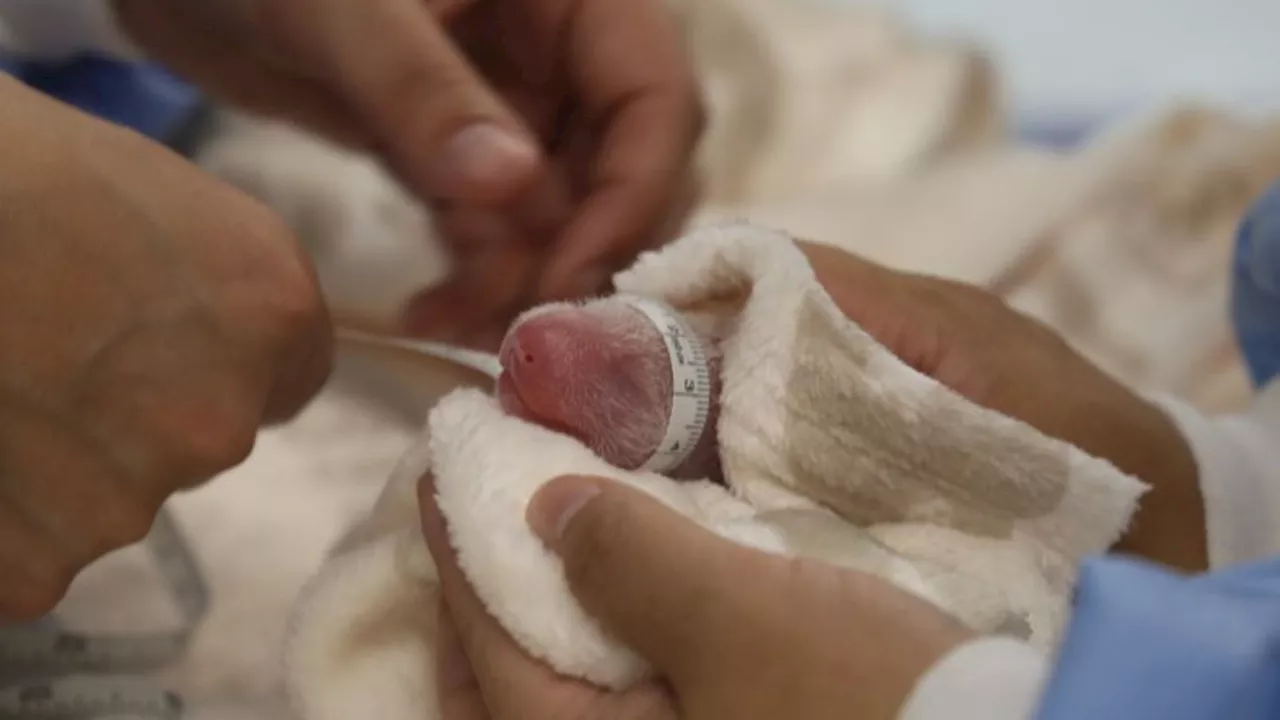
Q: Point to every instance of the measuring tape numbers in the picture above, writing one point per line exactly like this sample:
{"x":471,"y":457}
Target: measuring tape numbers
{"x":47,"y":673}
{"x":690,"y":384}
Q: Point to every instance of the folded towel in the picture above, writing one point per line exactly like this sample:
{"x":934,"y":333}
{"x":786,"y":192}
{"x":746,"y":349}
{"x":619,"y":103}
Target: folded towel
{"x":832,"y":449}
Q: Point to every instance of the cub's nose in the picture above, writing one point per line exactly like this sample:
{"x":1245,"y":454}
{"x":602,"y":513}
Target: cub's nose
{"x":512,"y":353}
{"x":540,"y":344}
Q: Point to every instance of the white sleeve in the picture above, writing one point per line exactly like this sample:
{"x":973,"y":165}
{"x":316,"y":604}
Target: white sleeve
{"x":55,"y":29}
{"x":990,"y":678}
{"x":1238,"y":458}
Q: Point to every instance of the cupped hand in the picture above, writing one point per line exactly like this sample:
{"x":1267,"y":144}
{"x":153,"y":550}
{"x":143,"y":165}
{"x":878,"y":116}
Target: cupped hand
{"x":151,"y":319}
{"x":554,"y":137}
{"x":737,"y":633}
{"x":971,"y":341}
{"x":732,"y":632}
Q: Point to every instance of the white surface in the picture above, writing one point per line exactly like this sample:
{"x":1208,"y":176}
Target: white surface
{"x":1092,"y":57}
{"x":990,"y":678}
{"x":1239,"y":465}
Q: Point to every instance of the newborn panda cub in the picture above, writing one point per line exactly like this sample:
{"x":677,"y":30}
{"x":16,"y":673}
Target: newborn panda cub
{"x":602,"y":372}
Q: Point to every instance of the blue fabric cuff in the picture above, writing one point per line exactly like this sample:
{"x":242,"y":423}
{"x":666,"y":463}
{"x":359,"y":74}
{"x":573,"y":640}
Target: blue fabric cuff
{"x":1146,"y":643}
{"x":1255,"y":287}
{"x":141,"y":96}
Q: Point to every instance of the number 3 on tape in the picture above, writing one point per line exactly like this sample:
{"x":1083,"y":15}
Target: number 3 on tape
{"x":690,"y":384}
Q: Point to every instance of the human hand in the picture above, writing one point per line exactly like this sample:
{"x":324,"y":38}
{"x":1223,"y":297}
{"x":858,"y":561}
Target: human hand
{"x":553,"y":136}
{"x":972,"y":342}
{"x":733,"y":632}
{"x":151,"y":319}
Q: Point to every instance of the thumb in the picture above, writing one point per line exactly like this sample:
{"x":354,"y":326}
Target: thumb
{"x":655,"y":579}
{"x":439,"y":124}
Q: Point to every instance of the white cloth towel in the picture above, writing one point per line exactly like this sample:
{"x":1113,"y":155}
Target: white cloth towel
{"x":832,"y":449}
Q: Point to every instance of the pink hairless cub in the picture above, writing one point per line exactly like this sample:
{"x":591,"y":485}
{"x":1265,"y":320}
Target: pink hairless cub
{"x":604,"y":372}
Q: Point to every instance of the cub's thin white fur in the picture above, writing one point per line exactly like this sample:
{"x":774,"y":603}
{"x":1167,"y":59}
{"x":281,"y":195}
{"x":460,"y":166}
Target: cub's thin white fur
{"x":363,"y":635}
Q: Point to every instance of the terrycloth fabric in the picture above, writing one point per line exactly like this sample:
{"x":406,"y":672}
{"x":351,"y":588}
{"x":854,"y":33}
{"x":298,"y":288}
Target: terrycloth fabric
{"x":832,"y":449}
{"x":803,"y":96}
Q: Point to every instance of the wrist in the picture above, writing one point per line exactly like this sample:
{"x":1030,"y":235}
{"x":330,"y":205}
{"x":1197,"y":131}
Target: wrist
{"x":992,"y":677}
{"x":909,"y":636}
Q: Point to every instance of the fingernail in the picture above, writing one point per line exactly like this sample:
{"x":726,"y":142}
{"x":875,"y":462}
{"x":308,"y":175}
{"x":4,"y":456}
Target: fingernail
{"x":557,"y":503}
{"x":483,"y":158}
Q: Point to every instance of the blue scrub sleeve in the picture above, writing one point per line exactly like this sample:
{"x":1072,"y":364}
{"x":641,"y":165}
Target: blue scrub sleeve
{"x":1255,"y":290}
{"x":140,"y":96}
{"x":1146,"y":643}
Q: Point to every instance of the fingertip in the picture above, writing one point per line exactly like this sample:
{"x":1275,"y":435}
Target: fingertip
{"x":483,"y":162}
{"x":437,"y":120}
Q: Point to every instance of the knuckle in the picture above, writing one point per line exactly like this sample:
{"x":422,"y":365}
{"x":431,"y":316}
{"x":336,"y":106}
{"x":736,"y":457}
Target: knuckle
{"x":222,"y":440}
{"x":202,"y":439}
{"x":280,"y":318}
{"x":286,"y":291}
{"x":296,"y":309}
{"x":263,"y":225}
{"x":304,"y":346}
{"x":131,"y":524}
{"x":414,"y":72}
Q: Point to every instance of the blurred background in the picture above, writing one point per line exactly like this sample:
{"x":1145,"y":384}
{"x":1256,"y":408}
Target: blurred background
{"x":1083,"y":60}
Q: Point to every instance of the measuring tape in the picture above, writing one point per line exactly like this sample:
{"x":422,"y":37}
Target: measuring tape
{"x":82,"y":698}
{"x":690,"y":384}
{"x":50,"y":674}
